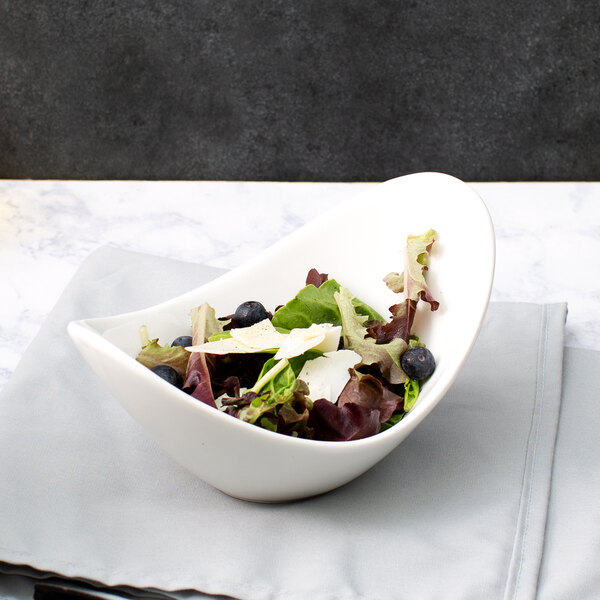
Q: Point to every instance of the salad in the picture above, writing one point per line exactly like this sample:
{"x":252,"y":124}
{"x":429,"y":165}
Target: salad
{"x":323,"y":366}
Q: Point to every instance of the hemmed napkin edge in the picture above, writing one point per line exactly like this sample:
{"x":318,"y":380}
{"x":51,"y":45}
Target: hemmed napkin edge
{"x":526,"y":557}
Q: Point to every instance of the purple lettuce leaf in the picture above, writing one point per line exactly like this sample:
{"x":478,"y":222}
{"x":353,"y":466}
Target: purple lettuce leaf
{"x":334,"y":423}
{"x":412,"y":283}
{"x":197,"y":380}
{"x":399,"y":326}
{"x":368,"y":391}
{"x":315,"y":278}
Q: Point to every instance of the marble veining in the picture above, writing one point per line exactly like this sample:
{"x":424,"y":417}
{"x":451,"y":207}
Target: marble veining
{"x":548,"y":238}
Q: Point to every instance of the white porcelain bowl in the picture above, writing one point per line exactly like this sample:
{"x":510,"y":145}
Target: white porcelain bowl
{"x":357,"y":243}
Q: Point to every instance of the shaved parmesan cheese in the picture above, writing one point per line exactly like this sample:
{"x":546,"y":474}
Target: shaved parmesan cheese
{"x":332,"y":338}
{"x":327,"y":375}
{"x":319,"y":336}
{"x":260,"y":335}
{"x":263,"y":336}
{"x":244,"y":340}
{"x":224,"y":346}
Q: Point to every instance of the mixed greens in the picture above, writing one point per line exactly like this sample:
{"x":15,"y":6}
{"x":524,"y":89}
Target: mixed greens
{"x":323,"y":366}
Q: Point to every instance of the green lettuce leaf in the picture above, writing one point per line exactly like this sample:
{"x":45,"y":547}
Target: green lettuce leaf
{"x":276,"y":385}
{"x":286,"y":411}
{"x":395,"y":281}
{"x":386,"y":356}
{"x":418,"y":248}
{"x":205,"y":323}
{"x":317,"y":305}
{"x":280,"y":383}
{"x":395,"y":418}
{"x":153,"y":354}
{"x":412,"y":283}
{"x":411,"y":393}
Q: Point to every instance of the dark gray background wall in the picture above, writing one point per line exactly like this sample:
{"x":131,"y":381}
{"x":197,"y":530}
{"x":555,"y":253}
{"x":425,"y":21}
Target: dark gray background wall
{"x":300,"y":90}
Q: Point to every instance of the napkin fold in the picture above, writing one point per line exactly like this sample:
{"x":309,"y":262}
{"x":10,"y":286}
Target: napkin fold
{"x":458,"y":510}
{"x":572,"y":549}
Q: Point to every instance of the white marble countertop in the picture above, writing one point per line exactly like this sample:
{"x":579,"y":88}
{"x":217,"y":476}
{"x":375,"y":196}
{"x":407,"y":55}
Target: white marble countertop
{"x":548,"y":238}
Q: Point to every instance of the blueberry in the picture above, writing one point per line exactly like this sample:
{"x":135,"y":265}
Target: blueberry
{"x":417,"y":362}
{"x":183,"y":341}
{"x":249,"y":313}
{"x":169,"y":374}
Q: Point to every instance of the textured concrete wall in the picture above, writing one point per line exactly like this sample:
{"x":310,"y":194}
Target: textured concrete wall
{"x":299,"y":90}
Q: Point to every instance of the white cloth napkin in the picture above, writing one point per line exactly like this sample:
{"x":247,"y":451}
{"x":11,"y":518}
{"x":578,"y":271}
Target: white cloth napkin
{"x":458,"y":510}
